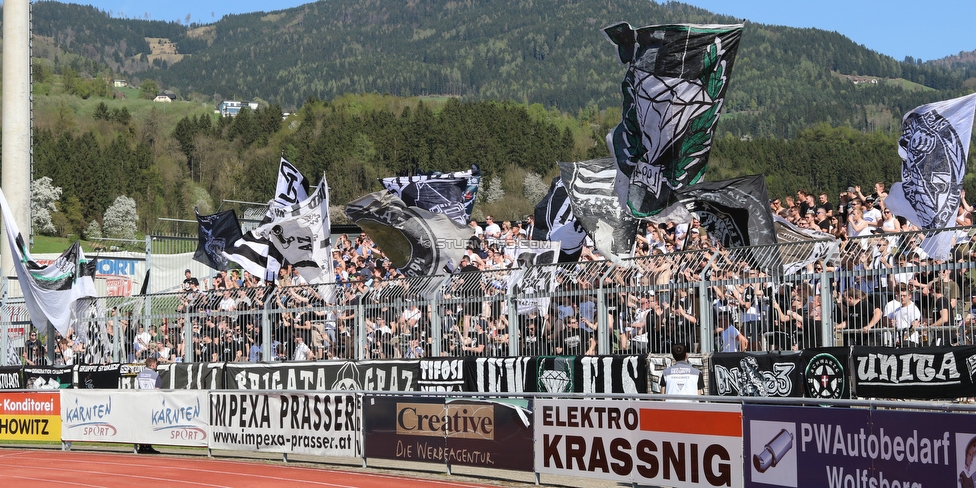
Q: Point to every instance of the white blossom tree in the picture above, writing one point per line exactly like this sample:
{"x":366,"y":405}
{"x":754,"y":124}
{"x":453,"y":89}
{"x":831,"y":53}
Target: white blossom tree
{"x":534,"y":188}
{"x":93,"y":231}
{"x":44,"y":198}
{"x":120,"y":219}
{"x":494,"y":192}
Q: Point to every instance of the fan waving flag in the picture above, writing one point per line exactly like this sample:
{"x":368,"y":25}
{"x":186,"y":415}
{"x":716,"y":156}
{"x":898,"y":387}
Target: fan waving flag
{"x":934,"y":146}
{"x":216,"y":234}
{"x":51,"y":292}
{"x":451,"y":194}
{"x":417,"y":241}
{"x":302,"y":234}
{"x":673,"y":92}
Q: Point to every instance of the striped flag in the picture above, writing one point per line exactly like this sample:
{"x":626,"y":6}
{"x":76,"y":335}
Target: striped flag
{"x":302,"y":234}
{"x":590,"y":186}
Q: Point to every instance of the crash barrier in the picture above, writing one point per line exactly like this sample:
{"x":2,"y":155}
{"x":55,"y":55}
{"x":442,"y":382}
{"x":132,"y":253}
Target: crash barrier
{"x":823,"y":373}
{"x":637,"y":439}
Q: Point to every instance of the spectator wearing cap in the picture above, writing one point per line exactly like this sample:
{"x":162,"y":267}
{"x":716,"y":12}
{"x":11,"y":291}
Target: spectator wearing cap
{"x":871,"y":213}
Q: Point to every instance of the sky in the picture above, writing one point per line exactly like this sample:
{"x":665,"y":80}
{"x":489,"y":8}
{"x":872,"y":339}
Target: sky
{"x":927,"y":29}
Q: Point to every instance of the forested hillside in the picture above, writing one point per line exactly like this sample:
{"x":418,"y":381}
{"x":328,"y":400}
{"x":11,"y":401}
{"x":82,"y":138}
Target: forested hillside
{"x":532,"y":51}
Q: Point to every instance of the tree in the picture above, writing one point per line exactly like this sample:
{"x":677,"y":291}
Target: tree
{"x":120,"y":219}
{"x":494,"y":192}
{"x":94,"y":231}
{"x":534,"y":188}
{"x":148,"y":89}
{"x":44,"y":197}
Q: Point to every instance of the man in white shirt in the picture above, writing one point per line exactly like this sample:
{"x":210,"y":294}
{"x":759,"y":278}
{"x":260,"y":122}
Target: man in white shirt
{"x":492,"y":230}
{"x":903,"y":315}
{"x":302,"y":352}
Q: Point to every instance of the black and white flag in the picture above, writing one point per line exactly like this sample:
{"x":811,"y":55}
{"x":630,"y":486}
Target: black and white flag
{"x":736,"y":213}
{"x":807,"y":245}
{"x":597,"y":207}
{"x":554,"y":221}
{"x":302,"y":234}
{"x":215,"y":234}
{"x":253,"y":251}
{"x":933,"y":147}
{"x":417,"y":242}
{"x":673,"y":92}
{"x":292,"y":185}
{"x":452,"y":194}
{"x":53,"y":292}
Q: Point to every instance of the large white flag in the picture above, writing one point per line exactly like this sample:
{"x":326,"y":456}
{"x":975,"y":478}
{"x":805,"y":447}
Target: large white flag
{"x":51,"y":292}
{"x":301,"y":233}
{"x":934,"y":146}
{"x":253,"y":251}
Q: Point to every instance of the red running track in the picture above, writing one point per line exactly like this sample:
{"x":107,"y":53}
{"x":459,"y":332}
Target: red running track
{"x":42,"y":468}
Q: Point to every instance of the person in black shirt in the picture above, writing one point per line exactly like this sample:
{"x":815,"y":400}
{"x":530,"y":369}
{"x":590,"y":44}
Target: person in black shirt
{"x":34,"y":352}
{"x":573,"y":340}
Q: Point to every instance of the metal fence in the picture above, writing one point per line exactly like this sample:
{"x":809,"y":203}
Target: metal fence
{"x":882,"y":290}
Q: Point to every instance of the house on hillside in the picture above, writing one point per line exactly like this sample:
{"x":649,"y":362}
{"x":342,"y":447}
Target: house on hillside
{"x":120,"y":83}
{"x":165,"y":96}
{"x":230,"y":108}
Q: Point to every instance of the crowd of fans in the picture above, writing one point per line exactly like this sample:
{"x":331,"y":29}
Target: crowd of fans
{"x":883,"y":289}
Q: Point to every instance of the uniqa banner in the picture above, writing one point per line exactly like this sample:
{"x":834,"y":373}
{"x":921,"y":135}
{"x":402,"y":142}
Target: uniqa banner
{"x":804,"y":447}
{"x":175,"y":418}
{"x":917,"y":372}
{"x":319,"y":424}
{"x":458,"y":432}
{"x":659,"y":443}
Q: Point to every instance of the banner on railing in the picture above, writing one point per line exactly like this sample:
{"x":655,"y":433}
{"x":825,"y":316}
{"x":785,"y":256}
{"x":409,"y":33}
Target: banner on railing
{"x":34,"y":416}
{"x":920,"y":372}
{"x":459,"y":432}
{"x":300,"y":423}
{"x":390,"y":375}
{"x":48,"y":377}
{"x":756,"y":374}
{"x":176,"y":418}
{"x":192,"y":376}
{"x":805,"y":447}
{"x":826,"y":372}
{"x":92,"y":376}
{"x":10,"y":378}
{"x":647,"y":443}
{"x":567,"y":374}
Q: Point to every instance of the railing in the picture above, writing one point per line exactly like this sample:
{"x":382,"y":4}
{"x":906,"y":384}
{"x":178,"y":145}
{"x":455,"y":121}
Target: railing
{"x":874,"y":290}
